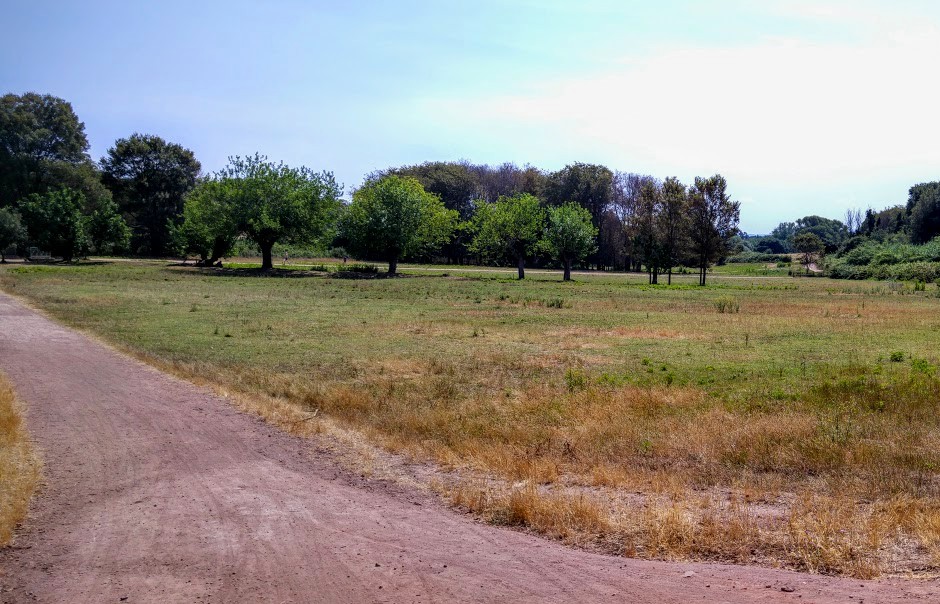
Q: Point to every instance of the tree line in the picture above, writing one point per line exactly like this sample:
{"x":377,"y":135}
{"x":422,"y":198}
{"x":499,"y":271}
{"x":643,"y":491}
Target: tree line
{"x":148,"y":197}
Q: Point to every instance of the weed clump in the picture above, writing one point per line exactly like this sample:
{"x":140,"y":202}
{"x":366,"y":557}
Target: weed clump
{"x":727,"y":305}
{"x":19,"y":465}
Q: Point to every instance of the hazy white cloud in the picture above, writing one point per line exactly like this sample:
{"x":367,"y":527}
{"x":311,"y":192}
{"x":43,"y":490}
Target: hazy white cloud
{"x":784,"y":109}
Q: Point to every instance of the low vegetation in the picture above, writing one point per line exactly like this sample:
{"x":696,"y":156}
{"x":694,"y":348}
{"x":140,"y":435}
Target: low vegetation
{"x":759,"y":420}
{"x":19,"y":464}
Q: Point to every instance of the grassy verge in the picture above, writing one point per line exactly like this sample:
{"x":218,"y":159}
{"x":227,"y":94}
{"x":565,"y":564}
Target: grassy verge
{"x":19,"y":464}
{"x":758,"y":420}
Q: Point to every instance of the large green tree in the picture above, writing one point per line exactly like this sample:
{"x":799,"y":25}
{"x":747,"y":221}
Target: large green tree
{"x":713,"y":221}
{"x":208,"y":228}
{"x":513,"y":227}
{"x":62,"y":223}
{"x":12,"y":231}
{"x":271,"y":203}
{"x":149,"y":178}
{"x":923,"y":209}
{"x":56,"y":222}
{"x":394,"y":217}
{"x":569,"y":236}
{"x":42,"y":146}
{"x":588,"y":185}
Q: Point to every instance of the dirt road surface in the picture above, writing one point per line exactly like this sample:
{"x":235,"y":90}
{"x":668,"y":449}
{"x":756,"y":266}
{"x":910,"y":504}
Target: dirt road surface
{"x":158,"y":491}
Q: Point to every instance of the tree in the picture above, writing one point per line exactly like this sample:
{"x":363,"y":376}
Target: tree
{"x":55,"y":222}
{"x":513,"y":226}
{"x":671,"y":224}
{"x":208,"y":228}
{"x":36,"y":132}
{"x":923,"y":209}
{"x":454,"y":182}
{"x":507,"y":180}
{"x":625,"y":204}
{"x":149,"y":179}
{"x":12,"y":231}
{"x":644,"y":227}
{"x":569,"y":236}
{"x":394,"y":217}
{"x":588,"y":185}
{"x":106,"y":229}
{"x":833,"y":233}
{"x":810,"y":247}
{"x":713,"y":221}
{"x":271,"y":203}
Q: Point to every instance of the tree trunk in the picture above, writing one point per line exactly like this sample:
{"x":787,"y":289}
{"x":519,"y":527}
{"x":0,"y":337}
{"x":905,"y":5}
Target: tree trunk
{"x":669,"y":277}
{"x":567,"y":269}
{"x":522,"y":267}
{"x":655,"y":276}
{"x":266,"y":263}
{"x":392,"y":266}
{"x":701,"y":275}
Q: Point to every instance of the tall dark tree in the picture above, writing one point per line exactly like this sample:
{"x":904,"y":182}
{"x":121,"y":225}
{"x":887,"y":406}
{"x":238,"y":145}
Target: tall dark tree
{"x":12,"y":231}
{"x":41,"y":140}
{"x":923,"y":209}
{"x":56,"y":223}
{"x":713,"y":221}
{"x":646,"y":235}
{"x":625,"y":201}
{"x":672,"y":224}
{"x":507,"y":180}
{"x":149,"y":178}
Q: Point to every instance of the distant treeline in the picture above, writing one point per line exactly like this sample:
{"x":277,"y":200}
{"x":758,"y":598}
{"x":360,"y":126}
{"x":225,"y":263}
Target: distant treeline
{"x":899,"y":242}
{"x":148,"y":197}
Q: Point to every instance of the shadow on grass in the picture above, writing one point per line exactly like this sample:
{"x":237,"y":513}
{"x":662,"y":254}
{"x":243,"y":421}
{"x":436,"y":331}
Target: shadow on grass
{"x":283,"y":273}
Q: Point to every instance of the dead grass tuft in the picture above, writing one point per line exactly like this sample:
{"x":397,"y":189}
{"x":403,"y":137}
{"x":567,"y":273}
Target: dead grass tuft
{"x":19,"y":464}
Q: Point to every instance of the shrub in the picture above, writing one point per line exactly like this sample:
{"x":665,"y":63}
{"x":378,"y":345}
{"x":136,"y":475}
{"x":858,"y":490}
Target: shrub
{"x":575,"y":380}
{"x":727,"y":305}
{"x":896,"y":357}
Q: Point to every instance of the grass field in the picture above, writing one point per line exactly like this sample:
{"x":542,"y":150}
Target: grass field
{"x":19,"y":464}
{"x":761,"y":419}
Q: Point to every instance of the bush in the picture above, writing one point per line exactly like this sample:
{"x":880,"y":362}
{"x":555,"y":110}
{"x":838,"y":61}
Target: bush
{"x":727,"y":305}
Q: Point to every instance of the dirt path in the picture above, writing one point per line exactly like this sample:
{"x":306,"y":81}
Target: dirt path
{"x":160,"y":492}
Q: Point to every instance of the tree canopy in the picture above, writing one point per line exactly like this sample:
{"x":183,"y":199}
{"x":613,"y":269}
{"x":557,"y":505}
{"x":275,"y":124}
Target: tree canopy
{"x":569,"y":235}
{"x":923,"y":208}
{"x":394,"y":217}
{"x":149,"y":178}
{"x":12,"y":231}
{"x":713,"y":221}
{"x":37,"y":132}
{"x":513,"y":226}
{"x":810,"y":246}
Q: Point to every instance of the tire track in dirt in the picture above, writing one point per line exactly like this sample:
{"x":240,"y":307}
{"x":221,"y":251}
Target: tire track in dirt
{"x":159,"y":491}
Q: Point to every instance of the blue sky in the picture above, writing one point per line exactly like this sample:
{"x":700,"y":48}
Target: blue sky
{"x":806,"y":107}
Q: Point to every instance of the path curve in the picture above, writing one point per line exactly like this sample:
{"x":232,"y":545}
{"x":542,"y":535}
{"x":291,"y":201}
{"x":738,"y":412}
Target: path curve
{"x":158,"y":491}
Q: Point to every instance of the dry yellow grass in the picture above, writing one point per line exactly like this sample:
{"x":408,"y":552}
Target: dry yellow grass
{"x":19,"y":464}
{"x":636,"y":419}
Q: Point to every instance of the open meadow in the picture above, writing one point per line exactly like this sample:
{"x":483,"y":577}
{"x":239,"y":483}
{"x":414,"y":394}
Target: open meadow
{"x":761,"y":419}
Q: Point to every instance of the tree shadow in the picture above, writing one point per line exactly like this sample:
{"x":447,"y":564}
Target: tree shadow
{"x":281,"y":273}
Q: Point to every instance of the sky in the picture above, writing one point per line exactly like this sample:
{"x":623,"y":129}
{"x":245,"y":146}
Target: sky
{"x":806,"y":107}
